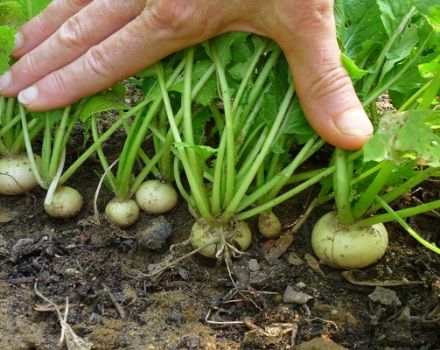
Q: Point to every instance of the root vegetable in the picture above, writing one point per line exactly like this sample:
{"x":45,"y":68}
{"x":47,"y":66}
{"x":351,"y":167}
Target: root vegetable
{"x":66,"y":202}
{"x":348,"y":247}
{"x":156,"y":197}
{"x":269,"y":225}
{"x":205,"y":231}
{"x":122,"y":213}
{"x":16,"y":175}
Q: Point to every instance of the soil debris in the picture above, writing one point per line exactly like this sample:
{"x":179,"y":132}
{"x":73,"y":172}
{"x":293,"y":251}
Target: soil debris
{"x":291,"y":296}
{"x":385,"y":296}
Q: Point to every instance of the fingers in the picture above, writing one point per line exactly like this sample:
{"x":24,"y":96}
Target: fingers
{"x":325,"y":90}
{"x":75,"y":36}
{"x":45,"y":24}
{"x":148,"y":38}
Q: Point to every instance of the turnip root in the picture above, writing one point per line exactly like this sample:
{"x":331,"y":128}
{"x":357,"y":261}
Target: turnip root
{"x":269,"y":225}
{"x":16,"y":176}
{"x":347,"y":247}
{"x":65,"y":203}
{"x":156,"y":197}
{"x":122,"y":213}
{"x":205,"y":231}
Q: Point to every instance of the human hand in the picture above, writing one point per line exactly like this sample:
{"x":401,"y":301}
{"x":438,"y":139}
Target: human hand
{"x":79,"y":47}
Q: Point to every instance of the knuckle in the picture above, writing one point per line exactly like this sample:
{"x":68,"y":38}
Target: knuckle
{"x":333,"y":81}
{"x":97,"y":62}
{"x":43,"y":23}
{"x":311,"y":14}
{"x":30,"y":63}
{"x":71,"y":33}
{"x":170,"y":15}
{"x":59,"y":83}
{"x":76,"y":3}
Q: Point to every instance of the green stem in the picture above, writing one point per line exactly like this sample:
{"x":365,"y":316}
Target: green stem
{"x":285,"y":196}
{"x":46,"y":149}
{"x":57,"y":145}
{"x":341,"y":184}
{"x":431,"y":92}
{"x":405,"y":187}
{"x":249,"y":72}
{"x":243,"y":110}
{"x":368,"y":197}
{"x":403,"y":213}
{"x":408,"y":228}
{"x":179,"y":184}
{"x":8,"y":138}
{"x":87,"y":153}
{"x":382,"y":56}
{"x":274,"y":185}
{"x":29,"y":151}
{"x":105,"y":166}
{"x":410,"y":63}
{"x":241,"y":190}
{"x":195,"y":183}
{"x":414,"y":97}
{"x":229,"y":129}
{"x":123,"y":184}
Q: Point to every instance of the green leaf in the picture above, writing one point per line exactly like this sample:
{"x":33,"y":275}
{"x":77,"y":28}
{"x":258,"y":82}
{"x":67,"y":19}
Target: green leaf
{"x":297,"y":123}
{"x":392,"y":13}
{"x":353,"y":70}
{"x":205,"y":152}
{"x":199,"y":119}
{"x":11,"y":14}
{"x":7,"y":41}
{"x":361,"y":29}
{"x":33,"y":7}
{"x":99,"y":104}
{"x":431,"y":10}
{"x":209,"y":90}
{"x":223,"y":45}
{"x":406,"y":136}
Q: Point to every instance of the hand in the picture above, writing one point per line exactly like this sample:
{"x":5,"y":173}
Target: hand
{"x":78,"y":47}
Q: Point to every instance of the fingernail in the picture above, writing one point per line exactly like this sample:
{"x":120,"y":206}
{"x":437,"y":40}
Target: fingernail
{"x":27,"y":96}
{"x":354,"y":123}
{"x":19,"y":41}
{"x":5,"y":80}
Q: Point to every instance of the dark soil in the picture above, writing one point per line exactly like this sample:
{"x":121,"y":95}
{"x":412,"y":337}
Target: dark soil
{"x":114,"y":304}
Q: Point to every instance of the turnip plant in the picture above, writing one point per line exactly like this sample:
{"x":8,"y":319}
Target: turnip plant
{"x":403,"y":61}
{"x":227,"y":183}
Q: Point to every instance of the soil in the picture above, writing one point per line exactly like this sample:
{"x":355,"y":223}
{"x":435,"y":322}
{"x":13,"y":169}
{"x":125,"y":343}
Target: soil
{"x":285,"y":302}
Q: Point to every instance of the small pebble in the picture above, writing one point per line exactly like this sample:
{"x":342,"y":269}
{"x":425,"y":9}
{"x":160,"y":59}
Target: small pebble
{"x":254,"y":265}
{"x":388,"y":271}
{"x":291,"y":296}
{"x":385,"y":296}
{"x":300,"y":285}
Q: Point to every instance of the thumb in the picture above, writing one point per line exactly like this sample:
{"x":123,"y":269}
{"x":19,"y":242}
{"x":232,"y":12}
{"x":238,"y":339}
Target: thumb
{"x":323,"y":86}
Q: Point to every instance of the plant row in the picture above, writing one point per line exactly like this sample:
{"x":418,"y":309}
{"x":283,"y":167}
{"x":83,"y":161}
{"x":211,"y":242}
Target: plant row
{"x":221,"y":123}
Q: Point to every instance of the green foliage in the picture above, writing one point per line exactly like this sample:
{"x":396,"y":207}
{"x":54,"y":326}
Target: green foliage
{"x":406,"y":136}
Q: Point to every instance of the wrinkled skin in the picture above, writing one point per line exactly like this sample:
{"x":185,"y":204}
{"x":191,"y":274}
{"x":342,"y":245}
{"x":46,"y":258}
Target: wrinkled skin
{"x":78,"y":47}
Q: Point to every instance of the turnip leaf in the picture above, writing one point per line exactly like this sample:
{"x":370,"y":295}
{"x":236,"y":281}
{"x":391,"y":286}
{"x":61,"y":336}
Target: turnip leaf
{"x":406,"y":136}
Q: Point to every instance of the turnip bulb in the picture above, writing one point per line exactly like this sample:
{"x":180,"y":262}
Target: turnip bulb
{"x":16,"y":176}
{"x":269,"y":225}
{"x":205,"y":231}
{"x":156,"y":197}
{"x":122,"y":212}
{"x":66,"y":202}
{"x":347,"y":247}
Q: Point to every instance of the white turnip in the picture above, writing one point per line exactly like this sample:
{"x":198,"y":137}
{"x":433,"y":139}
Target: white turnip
{"x":205,"y":231}
{"x":346,"y":246}
{"x":65,"y":203}
{"x":16,"y":176}
{"x":122,"y":213}
{"x":156,"y":197}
